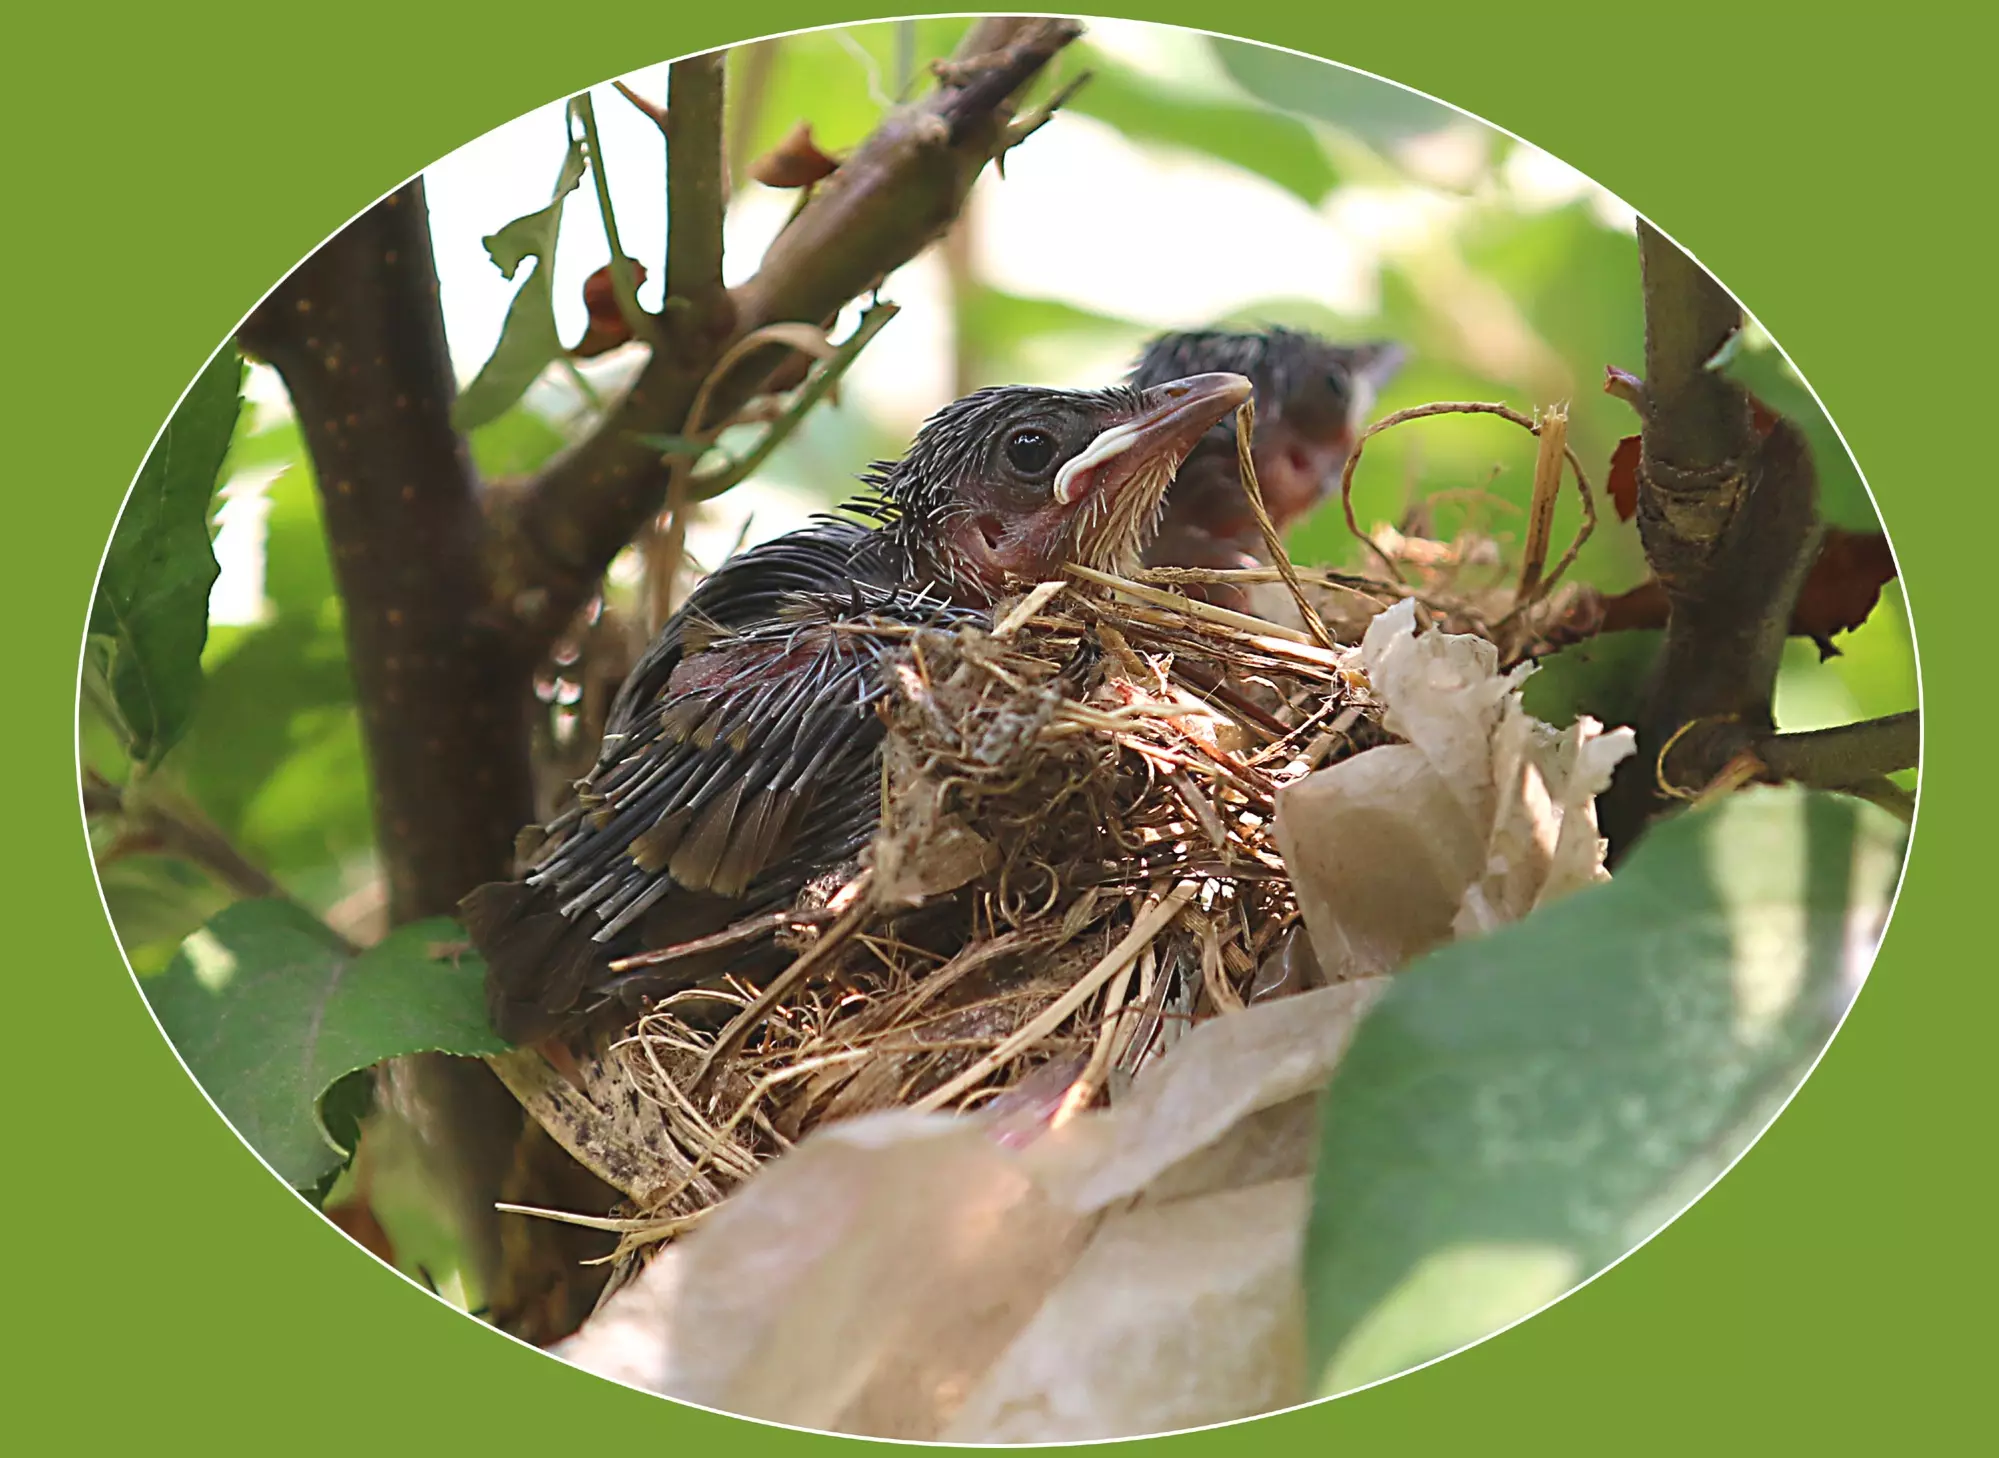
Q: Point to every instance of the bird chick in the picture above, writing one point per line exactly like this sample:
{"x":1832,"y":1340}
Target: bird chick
{"x":1311,"y":397}
{"x":742,"y":755}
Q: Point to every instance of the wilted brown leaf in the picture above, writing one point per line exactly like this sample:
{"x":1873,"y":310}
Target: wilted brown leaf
{"x":794,"y":162}
{"x":608,"y":328}
{"x":1622,"y":483}
{"x":1844,"y":585}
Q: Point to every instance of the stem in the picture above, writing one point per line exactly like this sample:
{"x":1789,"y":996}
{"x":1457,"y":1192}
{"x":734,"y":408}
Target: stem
{"x":624,"y":284}
{"x":180,"y":831}
{"x":697,"y":178}
{"x":1729,"y":522}
{"x":1848,"y":755}
{"x":746,"y":103}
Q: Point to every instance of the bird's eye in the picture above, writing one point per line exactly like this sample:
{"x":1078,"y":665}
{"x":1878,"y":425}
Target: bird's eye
{"x":1030,"y":451}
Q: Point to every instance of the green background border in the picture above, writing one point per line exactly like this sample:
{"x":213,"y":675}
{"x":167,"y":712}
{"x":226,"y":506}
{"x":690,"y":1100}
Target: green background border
{"x":1824,"y":1294}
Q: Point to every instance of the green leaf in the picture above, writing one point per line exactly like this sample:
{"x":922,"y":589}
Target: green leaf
{"x":152,"y":600}
{"x":529,"y":342}
{"x":1603,"y":677}
{"x":1379,"y":113}
{"x":1521,"y":1109}
{"x":341,"y":1110}
{"x":269,"y":1011}
{"x":1255,"y":138}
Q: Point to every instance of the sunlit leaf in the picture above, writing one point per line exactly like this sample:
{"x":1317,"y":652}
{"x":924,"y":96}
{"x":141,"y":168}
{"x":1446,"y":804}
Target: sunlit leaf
{"x":529,"y":342}
{"x":1521,"y":1109}
{"x":269,"y":1012}
{"x":152,"y":601}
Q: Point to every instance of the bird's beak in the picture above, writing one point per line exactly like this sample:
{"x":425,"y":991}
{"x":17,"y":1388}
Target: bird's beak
{"x":1172,"y":418}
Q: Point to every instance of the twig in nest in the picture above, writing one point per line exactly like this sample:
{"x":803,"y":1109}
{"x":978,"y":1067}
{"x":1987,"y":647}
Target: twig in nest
{"x":1541,"y":511}
{"x":1149,"y":924}
{"x":830,"y":941}
{"x":1245,"y":422}
{"x":1469,"y":407}
{"x":1043,"y":594}
{"x":1190,"y":606}
{"x":743,"y":931}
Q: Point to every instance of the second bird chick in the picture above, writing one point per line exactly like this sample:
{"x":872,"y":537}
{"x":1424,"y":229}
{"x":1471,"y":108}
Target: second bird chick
{"x":1311,"y":397}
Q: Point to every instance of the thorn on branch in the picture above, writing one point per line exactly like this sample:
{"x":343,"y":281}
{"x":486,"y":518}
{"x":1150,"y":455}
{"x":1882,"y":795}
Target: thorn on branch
{"x":651,"y":109}
{"x":979,"y":84}
{"x":1034,"y":121}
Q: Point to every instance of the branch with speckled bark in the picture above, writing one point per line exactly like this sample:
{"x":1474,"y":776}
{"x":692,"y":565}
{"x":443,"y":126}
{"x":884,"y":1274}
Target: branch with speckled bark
{"x":358,"y":336}
{"x":897,"y":193}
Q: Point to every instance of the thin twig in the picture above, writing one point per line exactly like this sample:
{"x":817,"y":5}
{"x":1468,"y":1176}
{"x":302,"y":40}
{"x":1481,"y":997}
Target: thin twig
{"x":1554,"y":443}
{"x":747,"y":930}
{"x":624,"y":283}
{"x":1191,"y":606}
{"x":1245,"y":424}
{"x":823,"y":381}
{"x":1846,"y":755}
{"x":696,"y":175}
{"x":1465,"y":407}
{"x":1149,"y":924}
{"x":830,"y":941}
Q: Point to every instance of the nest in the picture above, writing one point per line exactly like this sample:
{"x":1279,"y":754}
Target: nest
{"x":1076,"y":863}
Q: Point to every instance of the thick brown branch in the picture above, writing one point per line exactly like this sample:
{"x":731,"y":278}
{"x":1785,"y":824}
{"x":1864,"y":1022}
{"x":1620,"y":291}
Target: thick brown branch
{"x":898,"y":191}
{"x":358,"y":336}
{"x":697,"y":181}
{"x":1729,"y":520}
{"x":1696,"y":421}
{"x":1847,"y":755}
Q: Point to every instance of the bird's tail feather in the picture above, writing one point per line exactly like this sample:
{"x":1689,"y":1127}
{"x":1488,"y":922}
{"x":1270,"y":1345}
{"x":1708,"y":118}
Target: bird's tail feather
{"x":538,"y":961}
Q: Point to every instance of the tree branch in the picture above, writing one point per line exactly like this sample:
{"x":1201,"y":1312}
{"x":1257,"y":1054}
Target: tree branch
{"x":1847,"y":755}
{"x":697,"y":179}
{"x":1729,"y":521}
{"x":442,"y":684}
{"x":900,"y":189}
{"x":180,"y":831}
{"x":358,"y":336}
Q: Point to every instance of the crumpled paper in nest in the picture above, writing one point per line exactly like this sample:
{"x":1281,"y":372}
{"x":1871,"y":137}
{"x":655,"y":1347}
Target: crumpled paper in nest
{"x":1135,"y":1270}
{"x":1482,"y":815}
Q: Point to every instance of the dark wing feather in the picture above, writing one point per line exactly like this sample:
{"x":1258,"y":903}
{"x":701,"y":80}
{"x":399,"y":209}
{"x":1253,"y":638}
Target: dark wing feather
{"x":741,"y":760}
